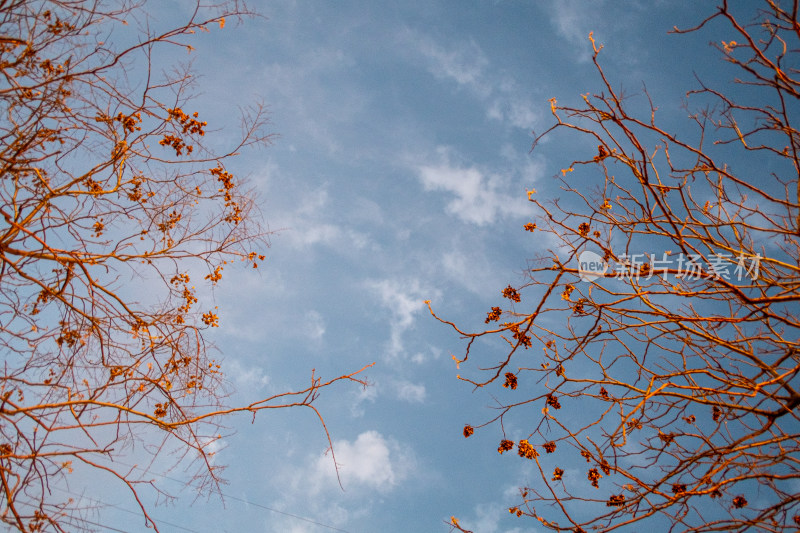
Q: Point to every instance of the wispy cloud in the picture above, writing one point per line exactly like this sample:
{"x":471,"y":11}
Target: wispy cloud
{"x":516,"y":110}
{"x":247,"y":378}
{"x":311,"y":110}
{"x":467,"y":65}
{"x":469,"y":267}
{"x":314,"y":324}
{"x":478,"y":193}
{"x":362,"y":395}
{"x":489,"y":517}
{"x":411,"y":392}
{"x":310,"y":224}
{"x":574,"y":19}
{"x":404,"y":300}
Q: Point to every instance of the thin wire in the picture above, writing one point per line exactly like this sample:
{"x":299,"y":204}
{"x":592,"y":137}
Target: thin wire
{"x":72,"y":520}
{"x":83,"y":520}
{"x":248,"y":502}
{"x":94,"y":500}
{"x":243,"y":500}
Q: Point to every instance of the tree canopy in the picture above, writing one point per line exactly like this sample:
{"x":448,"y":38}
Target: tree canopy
{"x":657,"y":342}
{"x":118,"y":215}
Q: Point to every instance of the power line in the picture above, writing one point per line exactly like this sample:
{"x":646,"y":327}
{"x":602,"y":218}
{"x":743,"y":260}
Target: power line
{"x":84,"y":520}
{"x":248,"y":502}
{"x":106,"y":504}
{"x":224,"y":495}
{"x":75,"y":521}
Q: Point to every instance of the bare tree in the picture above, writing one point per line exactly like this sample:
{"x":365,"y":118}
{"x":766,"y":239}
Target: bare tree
{"x":114,"y":211}
{"x":658,"y":343}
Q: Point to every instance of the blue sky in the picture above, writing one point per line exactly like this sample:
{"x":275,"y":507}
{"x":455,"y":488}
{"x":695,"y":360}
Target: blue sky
{"x":399,"y":175}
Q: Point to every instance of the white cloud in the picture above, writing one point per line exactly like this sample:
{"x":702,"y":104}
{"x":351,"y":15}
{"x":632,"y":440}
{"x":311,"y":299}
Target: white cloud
{"x":371,"y":462}
{"x":467,"y":65}
{"x":212,"y":446}
{"x":308,"y":226}
{"x":469,"y":267}
{"x":487,"y":519}
{"x":478,"y":194}
{"x":421,"y":357}
{"x":314,"y":325}
{"x":411,"y":392}
{"x":299,"y":90}
{"x":404,"y":299}
{"x":362,"y":395}
{"x":516,"y":110}
{"x":574,"y":19}
{"x":247,"y":378}
{"x":369,"y":467}
{"x":304,"y":233}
